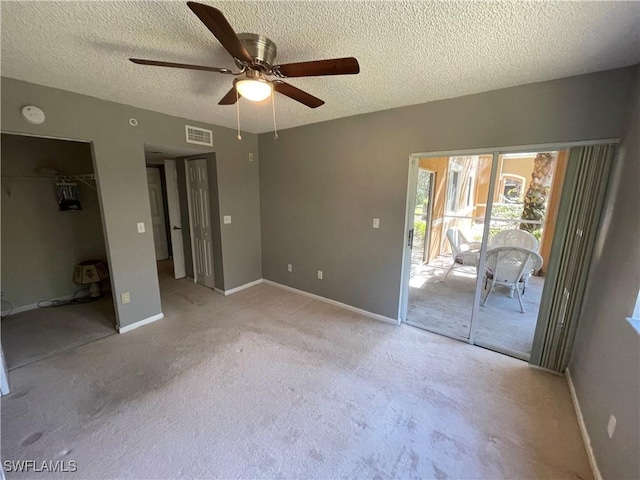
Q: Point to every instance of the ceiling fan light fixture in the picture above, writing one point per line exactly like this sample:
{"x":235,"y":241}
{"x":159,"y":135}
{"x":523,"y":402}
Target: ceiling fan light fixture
{"x":253,"y":89}
{"x":254,"y":55}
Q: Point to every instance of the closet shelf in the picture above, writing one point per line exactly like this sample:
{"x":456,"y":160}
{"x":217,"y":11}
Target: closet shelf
{"x":81,"y":178}
{"x":84,"y":178}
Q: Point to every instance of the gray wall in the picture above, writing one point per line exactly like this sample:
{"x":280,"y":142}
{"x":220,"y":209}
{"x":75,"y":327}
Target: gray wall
{"x":321,"y":184}
{"x":605,"y":364}
{"x":41,"y":244}
{"x":120,"y":167}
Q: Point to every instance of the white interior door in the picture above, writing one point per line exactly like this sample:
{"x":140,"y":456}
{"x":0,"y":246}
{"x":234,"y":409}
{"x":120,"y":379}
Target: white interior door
{"x":175,"y":220}
{"x":200,"y":221}
{"x":157,"y":213}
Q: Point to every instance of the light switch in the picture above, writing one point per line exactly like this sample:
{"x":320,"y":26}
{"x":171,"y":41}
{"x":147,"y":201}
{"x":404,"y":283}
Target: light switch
{"x":227,"y":219}
{"x":140,"y":227}
{"x":376,"y":223}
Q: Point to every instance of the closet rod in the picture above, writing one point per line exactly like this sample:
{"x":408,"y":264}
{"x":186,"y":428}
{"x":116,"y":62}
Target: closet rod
{"x":63,"y":178}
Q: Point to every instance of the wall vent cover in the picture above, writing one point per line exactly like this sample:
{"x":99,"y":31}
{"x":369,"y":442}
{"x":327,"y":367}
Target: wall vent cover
{"x":199,"y":136}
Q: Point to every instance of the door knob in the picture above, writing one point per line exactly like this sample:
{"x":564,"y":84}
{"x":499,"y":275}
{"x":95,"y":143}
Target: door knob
{"x":177,"y":228}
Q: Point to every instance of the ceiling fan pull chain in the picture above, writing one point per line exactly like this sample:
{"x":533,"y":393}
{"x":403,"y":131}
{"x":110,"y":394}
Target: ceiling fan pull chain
{"x":273,"y":105}
{"x":238,"y":113}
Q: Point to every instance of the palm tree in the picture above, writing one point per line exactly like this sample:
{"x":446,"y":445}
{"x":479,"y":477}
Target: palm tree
{"x":535,"y":200}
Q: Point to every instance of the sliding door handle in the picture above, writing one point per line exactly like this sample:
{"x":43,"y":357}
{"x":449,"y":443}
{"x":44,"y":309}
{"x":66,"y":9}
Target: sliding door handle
{"x":410,"y":243}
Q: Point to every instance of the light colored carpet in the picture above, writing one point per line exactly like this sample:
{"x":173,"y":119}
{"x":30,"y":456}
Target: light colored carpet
{"x":267,"y":383}
{"x":40,"y":333}
{"x":447,"y":307}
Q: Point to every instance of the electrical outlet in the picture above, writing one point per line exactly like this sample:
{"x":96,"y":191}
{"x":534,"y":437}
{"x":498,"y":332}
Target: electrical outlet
{"x":140,"y":227}
{"x":376,"y":223}
{"x":319,"y":274}
{"x":251,"y":157}
{"x":289,"y":267}
{"x":126,"y":298}
{"x":611,"y":426}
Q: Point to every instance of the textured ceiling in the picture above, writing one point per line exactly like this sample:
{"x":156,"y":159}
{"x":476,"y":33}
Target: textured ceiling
{"x":409,"y":52}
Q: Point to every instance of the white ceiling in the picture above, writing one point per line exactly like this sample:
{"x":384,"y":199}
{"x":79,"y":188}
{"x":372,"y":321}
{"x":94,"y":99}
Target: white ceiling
{"x":409,"y":52}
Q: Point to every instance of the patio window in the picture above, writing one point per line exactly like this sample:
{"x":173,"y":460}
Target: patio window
{"x":456,"y":185}
{"x":512,"y":189}
{"x":453,"y":191}
{"x":461,"y":183}
{"x":471,"y":189}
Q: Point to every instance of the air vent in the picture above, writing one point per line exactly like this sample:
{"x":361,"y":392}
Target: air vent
{"x":199,"y":136}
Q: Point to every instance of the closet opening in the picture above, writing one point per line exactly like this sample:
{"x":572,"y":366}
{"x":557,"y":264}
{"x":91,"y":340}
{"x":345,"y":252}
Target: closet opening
{"x":56,"y":293}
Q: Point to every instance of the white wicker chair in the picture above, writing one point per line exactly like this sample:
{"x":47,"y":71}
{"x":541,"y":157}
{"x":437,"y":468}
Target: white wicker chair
{"x":514,"y":238}
{"x":509,"y":266}
{"x":463,"y":252}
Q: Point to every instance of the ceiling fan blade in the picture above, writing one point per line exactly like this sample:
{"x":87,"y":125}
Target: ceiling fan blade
{"x":333,"y":66}
{"x":158,"y":63}
{"x":218,"y":25}
{"x":230,"y":98}
{"x":297,"y":94}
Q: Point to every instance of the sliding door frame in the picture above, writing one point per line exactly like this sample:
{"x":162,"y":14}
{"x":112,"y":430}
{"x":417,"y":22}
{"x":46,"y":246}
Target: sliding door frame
{"x":429,"y":214}
{"x":408,"y":237}
{"x":410,"y":207}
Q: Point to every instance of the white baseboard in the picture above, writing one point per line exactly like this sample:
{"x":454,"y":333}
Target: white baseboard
{"x":133,"y":326}
{"x":583,"y":428}
{"x":335,"y":303}
{"x":237,"y":289}
{"x":33,"y":306}
{"x":24,"y":308}
{"x":546,"y":370}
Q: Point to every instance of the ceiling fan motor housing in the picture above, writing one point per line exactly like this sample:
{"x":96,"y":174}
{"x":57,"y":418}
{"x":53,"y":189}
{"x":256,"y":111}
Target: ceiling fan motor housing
{"x":261,"y":48}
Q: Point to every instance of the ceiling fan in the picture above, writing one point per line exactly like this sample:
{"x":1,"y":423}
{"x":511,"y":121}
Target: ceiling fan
{"x":254,"y":55}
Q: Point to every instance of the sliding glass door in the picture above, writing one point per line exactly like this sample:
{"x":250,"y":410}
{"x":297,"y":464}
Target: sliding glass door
{"x":480,"y":231}
{"x":447,"y":207}
{"x":526,"y":194}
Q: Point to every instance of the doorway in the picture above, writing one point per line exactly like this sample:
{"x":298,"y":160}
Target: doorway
{"x":485,"y":213}
{"x":185,"y":211}
{"x":158,"y":202}
{"x":56,"y":293}
{"x":167,"y":208}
